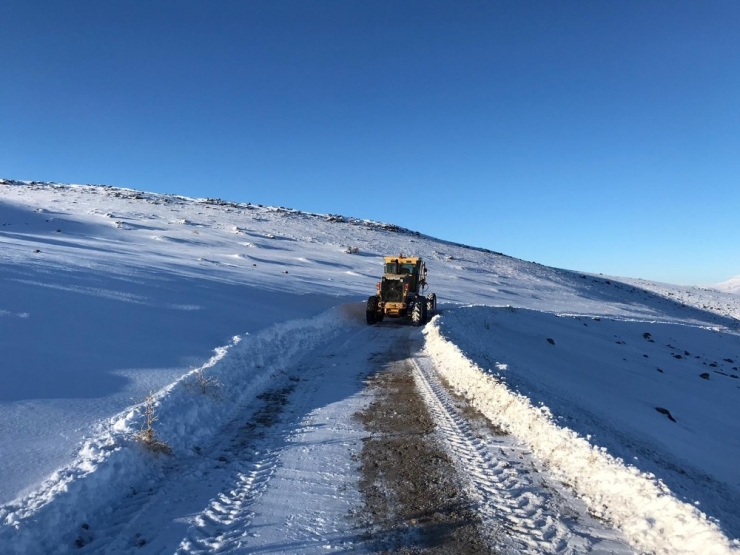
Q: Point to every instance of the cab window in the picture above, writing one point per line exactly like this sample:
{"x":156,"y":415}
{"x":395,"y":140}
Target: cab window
{"x":391,"y":268}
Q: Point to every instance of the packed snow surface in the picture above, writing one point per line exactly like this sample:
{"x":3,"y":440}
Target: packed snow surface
{"x":625,"y":390}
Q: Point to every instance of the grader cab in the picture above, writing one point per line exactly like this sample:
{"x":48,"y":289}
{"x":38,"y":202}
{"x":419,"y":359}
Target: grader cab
{"x":400,"y":292}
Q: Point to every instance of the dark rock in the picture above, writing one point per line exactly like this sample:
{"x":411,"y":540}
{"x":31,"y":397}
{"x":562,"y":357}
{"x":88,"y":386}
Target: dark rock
{"x":661,"y":410}
{"x":551,"y":341}
{"x":704,"y":375}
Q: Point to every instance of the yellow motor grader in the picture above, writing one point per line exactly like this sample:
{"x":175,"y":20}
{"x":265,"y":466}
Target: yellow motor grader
{"x":400,"y":292}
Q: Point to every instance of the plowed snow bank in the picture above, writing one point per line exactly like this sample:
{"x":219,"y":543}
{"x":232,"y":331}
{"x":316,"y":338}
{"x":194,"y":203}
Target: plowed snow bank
{"x":643,"y":508}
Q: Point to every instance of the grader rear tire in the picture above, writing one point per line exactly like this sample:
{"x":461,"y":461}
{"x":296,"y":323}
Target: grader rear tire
{"x":417,"y":313}
{"x":431,"y":302}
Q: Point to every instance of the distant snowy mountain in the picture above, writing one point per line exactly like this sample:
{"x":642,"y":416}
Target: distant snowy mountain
{"x":619,"y":398}
{"x":732,"y":285}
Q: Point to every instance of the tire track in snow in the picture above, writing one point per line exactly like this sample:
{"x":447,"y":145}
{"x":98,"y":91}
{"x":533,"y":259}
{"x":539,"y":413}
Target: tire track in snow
{"x":237,"y":520}
{"x":225,"y":520}
{"x":233,"y":521}
{"x":522,"y":516}
{"x":240,"y":459}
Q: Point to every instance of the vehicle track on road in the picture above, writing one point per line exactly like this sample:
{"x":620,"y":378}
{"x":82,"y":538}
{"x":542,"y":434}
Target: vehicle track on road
{"x":521,"y":511}
{"x":413,"y":500}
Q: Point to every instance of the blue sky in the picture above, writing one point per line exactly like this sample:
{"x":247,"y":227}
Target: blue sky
{"x":597,"y":136}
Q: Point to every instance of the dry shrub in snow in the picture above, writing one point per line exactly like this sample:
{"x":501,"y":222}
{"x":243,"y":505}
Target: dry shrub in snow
{"x":147,"y":435}
{"x":207,"y":385}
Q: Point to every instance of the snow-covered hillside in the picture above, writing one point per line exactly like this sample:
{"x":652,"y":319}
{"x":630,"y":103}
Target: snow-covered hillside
{"x":732,"y":285}
{"x":108,"y":294}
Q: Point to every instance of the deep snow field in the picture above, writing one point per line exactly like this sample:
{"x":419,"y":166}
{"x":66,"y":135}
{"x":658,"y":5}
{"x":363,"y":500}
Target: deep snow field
{"x":628,"y":391}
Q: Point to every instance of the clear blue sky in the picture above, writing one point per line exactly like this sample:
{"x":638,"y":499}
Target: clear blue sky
{"x":595,"y":135}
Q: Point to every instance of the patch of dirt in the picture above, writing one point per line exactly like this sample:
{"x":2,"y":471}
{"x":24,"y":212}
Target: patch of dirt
{"x":268,"y":415}
{"x":413,"y":499}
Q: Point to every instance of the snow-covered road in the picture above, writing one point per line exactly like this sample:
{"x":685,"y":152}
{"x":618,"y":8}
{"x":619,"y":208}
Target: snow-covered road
{"x":282,"y":475}
{"x":278,"y":478}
